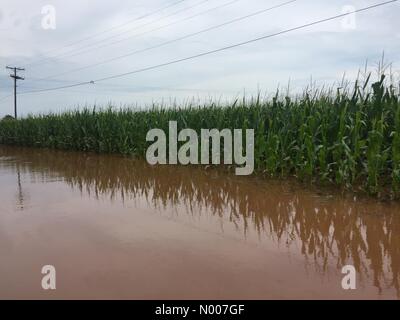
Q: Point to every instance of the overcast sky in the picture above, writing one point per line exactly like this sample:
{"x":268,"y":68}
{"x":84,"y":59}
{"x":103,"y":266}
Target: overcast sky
{"x":93,"y":31}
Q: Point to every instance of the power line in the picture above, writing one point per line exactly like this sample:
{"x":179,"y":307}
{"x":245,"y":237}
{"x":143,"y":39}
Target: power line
{"x":216,"y":50}
{"x":68,"y":53}
{"x":112,"y":88}
{"x":5,"y":97}
{"x":173,"y":40}
{"x":115,"y":27}
{"x":143,"y":33}
{"x":30,"y":79}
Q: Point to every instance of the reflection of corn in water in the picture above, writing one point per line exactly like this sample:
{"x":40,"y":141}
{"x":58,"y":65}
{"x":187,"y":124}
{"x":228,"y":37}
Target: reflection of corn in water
{"x":328,"y":229}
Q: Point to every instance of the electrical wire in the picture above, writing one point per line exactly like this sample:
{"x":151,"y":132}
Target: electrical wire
{"x":68,"y":53}
{"x":115,"y":27}
{"x":216,"y":50}
{"x":151,"y":30}
{"x":171,"y":41}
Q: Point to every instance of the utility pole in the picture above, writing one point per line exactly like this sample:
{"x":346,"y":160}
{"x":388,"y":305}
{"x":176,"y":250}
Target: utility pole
{"x":15,"y":77}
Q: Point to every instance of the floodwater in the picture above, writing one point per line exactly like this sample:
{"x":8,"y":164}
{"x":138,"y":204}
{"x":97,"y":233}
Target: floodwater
{"x":117,"y":228}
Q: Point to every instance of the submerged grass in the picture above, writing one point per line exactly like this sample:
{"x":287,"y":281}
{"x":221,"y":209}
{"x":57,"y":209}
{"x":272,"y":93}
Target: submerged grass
{"x":349,"y":138}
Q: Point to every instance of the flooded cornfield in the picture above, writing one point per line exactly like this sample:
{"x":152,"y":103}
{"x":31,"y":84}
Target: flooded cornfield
{"x":117,"y":228}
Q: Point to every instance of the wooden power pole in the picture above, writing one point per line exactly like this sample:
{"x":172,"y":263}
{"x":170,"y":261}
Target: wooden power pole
{"x":15,"y":77}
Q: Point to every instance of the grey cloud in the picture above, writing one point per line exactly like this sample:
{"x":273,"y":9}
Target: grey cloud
{"x":324,"y":51}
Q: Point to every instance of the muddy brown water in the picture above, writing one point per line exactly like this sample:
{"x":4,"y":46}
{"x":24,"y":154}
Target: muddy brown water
{"x":117,"y":228}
